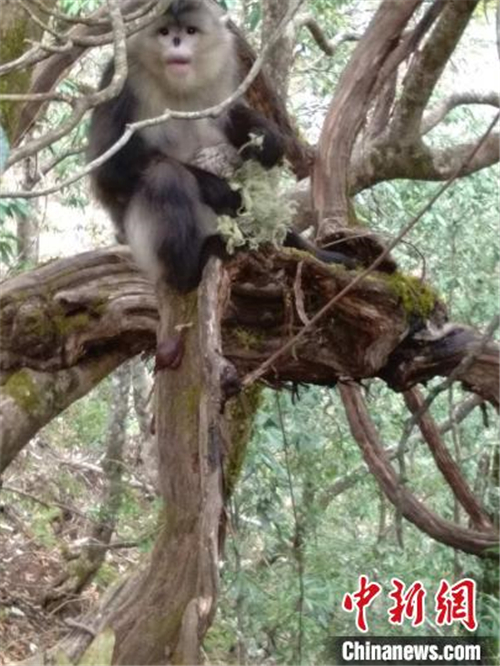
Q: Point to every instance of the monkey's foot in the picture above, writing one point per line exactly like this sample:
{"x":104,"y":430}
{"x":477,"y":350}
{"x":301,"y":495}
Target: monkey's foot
{"x":169,"y":353}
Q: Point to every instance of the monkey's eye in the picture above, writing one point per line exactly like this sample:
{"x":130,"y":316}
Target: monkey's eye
{"x":163,"y":30}
{"x":191,"y":30}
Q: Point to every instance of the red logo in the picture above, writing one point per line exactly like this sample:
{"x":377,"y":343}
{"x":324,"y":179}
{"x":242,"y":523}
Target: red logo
{"x":408,"y":604}
{"x":360,"y":600}
{"x":453,"y":603}
{"x":457,"y":603}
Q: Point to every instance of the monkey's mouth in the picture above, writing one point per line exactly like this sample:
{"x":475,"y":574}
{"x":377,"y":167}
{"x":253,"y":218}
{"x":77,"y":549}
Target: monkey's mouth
{"x":180,"y":65}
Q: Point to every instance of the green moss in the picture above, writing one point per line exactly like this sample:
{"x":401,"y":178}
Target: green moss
{"x":23,"y":390}
{"x":69,"y":324}
{"x":242,"y":411}
{"x":12,"y":46}
{"x":247,"y":338}
{"x":416,"y":297}
{"x":100,"y":651}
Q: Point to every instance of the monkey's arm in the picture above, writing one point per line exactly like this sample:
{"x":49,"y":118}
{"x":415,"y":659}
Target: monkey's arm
{"x":216,"y":192}
{"x":242,"y":122}
{"x":118,"y":176}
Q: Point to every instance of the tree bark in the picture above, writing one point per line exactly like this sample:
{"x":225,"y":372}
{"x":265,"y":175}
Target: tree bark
{"x":478,"y":542}
{"x":66,"y":325}
{"x":193,"y":440}
{"x":280,"y":60}
{"x":348,"y":110}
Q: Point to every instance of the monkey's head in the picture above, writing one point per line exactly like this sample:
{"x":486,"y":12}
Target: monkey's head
{"x":189,"y":48}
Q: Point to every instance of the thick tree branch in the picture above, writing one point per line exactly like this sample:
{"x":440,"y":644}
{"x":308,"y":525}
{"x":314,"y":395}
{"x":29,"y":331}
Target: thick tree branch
{"x":384,"y":161}
{"x":30,"y":399}
{"x":478,"y":542}
{"x":427,"y":66}
{"x":443,"y":355}
{"x":67,"y":324}
{"x":460,"y":412}
{"x":349,"y":108}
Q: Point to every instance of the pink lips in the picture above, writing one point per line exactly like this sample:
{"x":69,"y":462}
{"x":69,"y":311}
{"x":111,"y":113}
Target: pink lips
{"x":178,"y":65}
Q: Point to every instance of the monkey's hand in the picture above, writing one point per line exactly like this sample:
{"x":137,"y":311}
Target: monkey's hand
{"x":264,"y":147}
{"x":216,"y":192}
{"x":243,"y":123}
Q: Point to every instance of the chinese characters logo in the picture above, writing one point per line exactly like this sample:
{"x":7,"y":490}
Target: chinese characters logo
{"x":452,"y":603}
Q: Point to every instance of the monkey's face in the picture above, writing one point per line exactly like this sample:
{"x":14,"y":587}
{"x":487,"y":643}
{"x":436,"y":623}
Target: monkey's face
{"x":186,"y":51}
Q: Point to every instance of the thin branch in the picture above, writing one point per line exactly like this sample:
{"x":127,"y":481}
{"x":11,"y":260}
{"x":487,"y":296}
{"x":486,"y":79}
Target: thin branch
{"x":88,"y":101}
{"x":427,"y":66}
{"x":435,"y":115}
{"x":445,"y":462}
{"x":49,"y":166}
{"x":42,"y":51}
{"x":328,"y":46}
{"x":480,"y":543}
{"x":89,"y":20}
{"x":459,"y":414}
{"x":297,"y":545}
{"x":37,"y":21}
{"x":37,"y":97}
{"x":47,"y":504}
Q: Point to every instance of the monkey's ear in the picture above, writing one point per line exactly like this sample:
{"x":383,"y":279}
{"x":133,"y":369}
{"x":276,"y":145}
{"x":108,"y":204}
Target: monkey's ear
{"x":225,"y":19}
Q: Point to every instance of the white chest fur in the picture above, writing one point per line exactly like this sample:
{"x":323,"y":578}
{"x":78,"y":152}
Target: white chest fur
{"x":182,"y":139}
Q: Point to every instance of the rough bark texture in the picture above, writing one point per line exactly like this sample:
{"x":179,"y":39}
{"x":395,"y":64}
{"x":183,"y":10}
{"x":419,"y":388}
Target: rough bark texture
{"x":445,"y":462}
{"x":68,"y":324}
{"x":279,"y":62}
{"x":173,"y":605}
{"x":349,"y":109}
{"x":65,"y":326}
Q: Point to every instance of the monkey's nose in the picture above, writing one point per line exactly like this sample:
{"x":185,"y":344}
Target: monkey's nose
{"x":177,"y":41}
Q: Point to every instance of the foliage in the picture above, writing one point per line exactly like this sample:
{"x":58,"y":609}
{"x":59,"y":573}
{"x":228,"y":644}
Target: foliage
{"x":9,"y":208}
{"x":342,"y":533}
{"x":454,"y":246}
{"x":290,"y":520}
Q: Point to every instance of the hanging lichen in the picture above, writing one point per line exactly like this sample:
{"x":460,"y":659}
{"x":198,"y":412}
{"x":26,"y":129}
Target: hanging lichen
{"x":266,"y":212}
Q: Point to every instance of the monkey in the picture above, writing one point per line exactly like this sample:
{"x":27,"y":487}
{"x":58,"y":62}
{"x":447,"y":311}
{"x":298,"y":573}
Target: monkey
{"x":161,"y":204}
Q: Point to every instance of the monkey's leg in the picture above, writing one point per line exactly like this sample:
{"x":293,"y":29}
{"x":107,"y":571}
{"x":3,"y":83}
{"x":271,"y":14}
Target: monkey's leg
{"x":167,"y":225}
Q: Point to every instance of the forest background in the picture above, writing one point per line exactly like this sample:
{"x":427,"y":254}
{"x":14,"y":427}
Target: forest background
{"x":306,"y":518}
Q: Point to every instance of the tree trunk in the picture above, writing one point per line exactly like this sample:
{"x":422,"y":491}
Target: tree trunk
{"x":175,"y":600}
{"x":280,"y":59}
